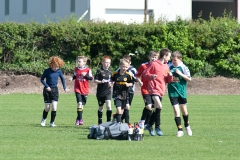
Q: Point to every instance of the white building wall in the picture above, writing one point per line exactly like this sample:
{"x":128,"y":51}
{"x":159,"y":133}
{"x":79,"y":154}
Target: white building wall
{"x":40,"y":10}
{"x":170,"y":9}
{"x":130,"y":11}
{"x":127,"y":11}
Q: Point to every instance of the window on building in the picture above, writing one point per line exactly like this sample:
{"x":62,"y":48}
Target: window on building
{"x":24,"y":7}
{"x":72,"y":9}
{"x":53,"y":6}
{"x":6,"y":7}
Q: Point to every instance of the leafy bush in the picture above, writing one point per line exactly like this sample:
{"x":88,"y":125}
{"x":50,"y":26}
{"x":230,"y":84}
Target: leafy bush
{"x":209,"y":48}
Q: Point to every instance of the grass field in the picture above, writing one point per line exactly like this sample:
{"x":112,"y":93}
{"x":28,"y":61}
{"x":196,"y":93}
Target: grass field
{"x":214,"y":121}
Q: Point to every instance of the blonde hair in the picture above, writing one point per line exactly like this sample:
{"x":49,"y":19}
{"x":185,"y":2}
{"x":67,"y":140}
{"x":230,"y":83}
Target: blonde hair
{"x":124,"y":61}
{"x":128,"y":57}
{"x":154,"y":53}
{"x":84,"y":58}
{"x":55,"y":61}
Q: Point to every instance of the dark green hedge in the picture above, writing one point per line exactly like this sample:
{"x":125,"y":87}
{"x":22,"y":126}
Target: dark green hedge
{"x":209,"y":48}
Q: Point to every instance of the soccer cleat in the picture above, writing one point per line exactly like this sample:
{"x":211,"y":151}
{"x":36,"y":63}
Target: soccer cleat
{"x":151,"y":132}
{"x":52,"y":124}
{"x":189,"y":131}
{"x":159,"y":132}
{"x":77,"y":122}
{"x":81,"y":122}
{"x":141,"y":124}
{"x":43,"y":122}
{"x":180,"y":133}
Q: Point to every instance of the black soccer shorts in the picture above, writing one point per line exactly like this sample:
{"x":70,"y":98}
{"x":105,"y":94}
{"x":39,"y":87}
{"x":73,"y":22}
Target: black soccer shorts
{"x":50,"y":96}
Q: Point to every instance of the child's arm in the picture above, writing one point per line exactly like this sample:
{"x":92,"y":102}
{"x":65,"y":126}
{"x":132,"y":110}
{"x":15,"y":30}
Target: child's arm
{"x":88,"y":75}
{"x":130,"y":81}
{"x":129,"y":84}
{"x":187,"y":78}
{"x":149,"y":73}
{"x":44,"y":75}
{"x":140,"y":81}
{"x":169,"y":77}
{"x":62,"y":80}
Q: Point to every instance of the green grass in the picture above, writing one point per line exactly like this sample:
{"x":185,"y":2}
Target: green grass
{"x":214,"y":121}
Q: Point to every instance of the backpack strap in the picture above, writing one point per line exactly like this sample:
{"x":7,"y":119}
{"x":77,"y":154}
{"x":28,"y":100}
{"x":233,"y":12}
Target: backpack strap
{"x":109,"y":135}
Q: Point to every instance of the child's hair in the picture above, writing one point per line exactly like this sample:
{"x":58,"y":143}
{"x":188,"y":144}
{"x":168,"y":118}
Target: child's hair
{"x":82,"y":57}
{"x":153,"y":53}
{"x":128,"y":57}
{"x":106,"y":57}
{"x":164,"y":52}
{"x":55,"y":61}
{"x":177,"y":54}
{"x":123,"y":61}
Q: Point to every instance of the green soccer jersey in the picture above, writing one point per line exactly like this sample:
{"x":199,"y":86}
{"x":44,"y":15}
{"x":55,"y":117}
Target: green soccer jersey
{"x":178,"y":88}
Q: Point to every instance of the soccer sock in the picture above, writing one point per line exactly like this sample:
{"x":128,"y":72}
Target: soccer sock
{"x":44,"y":114}
{"x":186,"y":122}
{"x":109,"y":114}
{"x":126,"y":111}
{"x":144,"y":113}
{"x":157,"y":118}
{"x":152,"y":118}
{"x":178,"y":123}
{"x":99,"y":117}
{"x":53,"y":115}
{"x":79,"y":114}
{"x":148,"y":116}
{"x":123,"y":116}
{"x":118,"y":116}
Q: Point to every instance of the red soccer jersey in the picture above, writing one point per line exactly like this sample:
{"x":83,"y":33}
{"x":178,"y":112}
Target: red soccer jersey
{"x":81,"y":84}
{"x":157,"y":86}
{"x":144,"y":87}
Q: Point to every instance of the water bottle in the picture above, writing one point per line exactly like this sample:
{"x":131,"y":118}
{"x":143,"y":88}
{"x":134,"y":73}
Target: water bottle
{"x":130,"y":133}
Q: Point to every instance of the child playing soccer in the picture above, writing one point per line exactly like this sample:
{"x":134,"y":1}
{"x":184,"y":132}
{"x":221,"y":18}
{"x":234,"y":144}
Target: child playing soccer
{"x":102,"y":78}
{"x":131,"y":90}
{"x":158,"y":75}
{"x":147,"y":111}
{"x":177,"y":91}
{"x":50,"y":90}
{"x":82,"y":76}
{"x":122,"y":81}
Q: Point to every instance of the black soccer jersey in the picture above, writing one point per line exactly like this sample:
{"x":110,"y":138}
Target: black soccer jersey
{"x":102,"y":88}
{"x":120,"y":91}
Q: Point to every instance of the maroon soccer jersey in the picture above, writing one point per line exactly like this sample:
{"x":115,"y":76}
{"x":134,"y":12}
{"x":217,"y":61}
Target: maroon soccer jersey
{"x":81,"y":84}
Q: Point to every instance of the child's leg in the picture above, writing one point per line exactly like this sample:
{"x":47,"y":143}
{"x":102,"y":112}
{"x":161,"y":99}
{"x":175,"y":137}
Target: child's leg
{"x":48,"y":101}
{"x":118,"y":104}
{"x":100,"y":111}
{"x":147,"y":111}
{"x":101,"y":102}
{"x":158,"y":106}
{"x":185,"y":118}
{"x":46,"y":110}
{"x":54,"y":111}
{"x":109,"y":110}
{"x":126,"y":113}
{"x":81,"y":101}
{"x":177,"y":117}
{"x":79,"y":110}
{"x":185,"y":114}
{"x":119,"y":114}
{"x":183,"y":106}
{"x":148,"y":116}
